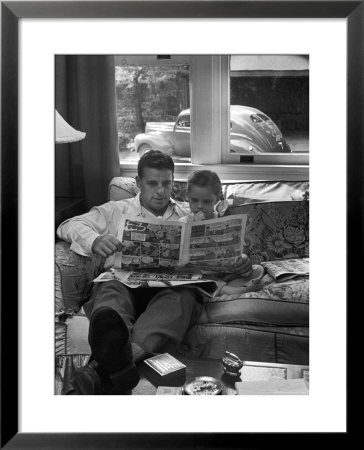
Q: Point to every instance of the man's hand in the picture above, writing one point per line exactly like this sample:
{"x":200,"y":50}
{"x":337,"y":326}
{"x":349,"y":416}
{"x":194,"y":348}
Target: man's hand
{"x":106,"y":245}
{"x":242,"y":266}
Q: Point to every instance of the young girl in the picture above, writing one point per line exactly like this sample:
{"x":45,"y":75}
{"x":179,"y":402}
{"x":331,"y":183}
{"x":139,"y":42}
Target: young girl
{"x":204,"y":194}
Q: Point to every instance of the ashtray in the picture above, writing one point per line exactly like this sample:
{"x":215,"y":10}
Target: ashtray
{"x":202,"y":386}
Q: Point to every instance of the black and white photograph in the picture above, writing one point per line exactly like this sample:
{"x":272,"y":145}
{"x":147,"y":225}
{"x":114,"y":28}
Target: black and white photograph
{"x":126,"y":127}
{"x":181,"y":200}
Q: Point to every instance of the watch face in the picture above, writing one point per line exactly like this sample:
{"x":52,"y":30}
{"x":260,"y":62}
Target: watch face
{"x":203,"y":386}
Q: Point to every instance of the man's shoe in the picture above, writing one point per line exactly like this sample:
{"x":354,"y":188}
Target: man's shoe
{"x":111,"y":348}
{"x":86,"y":381}
{"x":124,"y":381}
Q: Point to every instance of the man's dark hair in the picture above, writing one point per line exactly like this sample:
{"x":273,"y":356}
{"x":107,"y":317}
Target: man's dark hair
{"x":156,"y":160}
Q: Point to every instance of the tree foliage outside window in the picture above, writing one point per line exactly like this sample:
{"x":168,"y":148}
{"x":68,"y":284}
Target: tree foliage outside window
{"x":148,"y":93}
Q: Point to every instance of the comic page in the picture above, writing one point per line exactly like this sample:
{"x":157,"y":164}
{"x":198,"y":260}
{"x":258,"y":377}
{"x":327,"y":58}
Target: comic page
{"x":213,"y":244}
{"x":149,"y":244}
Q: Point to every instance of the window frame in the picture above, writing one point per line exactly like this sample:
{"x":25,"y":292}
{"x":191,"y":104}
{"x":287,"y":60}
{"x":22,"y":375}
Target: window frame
{"x":210,"y":132}
{"x":277,"y":159}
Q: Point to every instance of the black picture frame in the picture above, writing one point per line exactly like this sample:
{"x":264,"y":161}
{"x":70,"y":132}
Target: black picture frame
{"x":11,"y":13}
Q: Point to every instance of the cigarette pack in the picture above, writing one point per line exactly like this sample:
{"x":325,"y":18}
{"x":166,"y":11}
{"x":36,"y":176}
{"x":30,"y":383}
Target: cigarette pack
{"x":164,"y":370}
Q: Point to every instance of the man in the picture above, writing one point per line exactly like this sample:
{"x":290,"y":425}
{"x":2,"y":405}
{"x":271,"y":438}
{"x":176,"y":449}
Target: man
{"x":127,"y":325}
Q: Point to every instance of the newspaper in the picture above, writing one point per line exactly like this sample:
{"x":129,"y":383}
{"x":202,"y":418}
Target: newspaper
{"x":156,"y":253}
{"x":138,"y":279}
{"x":207,"y":245}
{"x":286,"y":269}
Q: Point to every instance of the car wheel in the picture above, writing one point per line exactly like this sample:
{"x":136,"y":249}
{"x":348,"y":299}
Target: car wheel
{"x":287,"y":148}
{"x":143,"y":149}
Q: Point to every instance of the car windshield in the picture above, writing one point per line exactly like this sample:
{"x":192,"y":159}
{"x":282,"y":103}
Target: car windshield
{"x":184,"y":121}
{"x":255,"y":118}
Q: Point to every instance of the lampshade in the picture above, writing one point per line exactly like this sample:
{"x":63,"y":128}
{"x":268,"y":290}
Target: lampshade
{"x":65,"y":133}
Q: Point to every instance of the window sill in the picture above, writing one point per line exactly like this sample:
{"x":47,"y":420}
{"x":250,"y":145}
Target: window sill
{"x":233,"y":172}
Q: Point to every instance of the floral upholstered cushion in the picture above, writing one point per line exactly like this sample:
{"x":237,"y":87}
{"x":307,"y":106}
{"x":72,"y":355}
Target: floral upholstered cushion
{"x":276,"y":230}
{"x":73,"y":278}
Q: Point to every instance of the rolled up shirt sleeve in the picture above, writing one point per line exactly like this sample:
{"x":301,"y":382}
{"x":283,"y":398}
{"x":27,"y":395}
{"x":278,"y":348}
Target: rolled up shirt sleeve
{"x":81,"y":231}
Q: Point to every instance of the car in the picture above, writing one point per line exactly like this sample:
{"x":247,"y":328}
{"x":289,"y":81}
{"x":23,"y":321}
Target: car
{"x":251,"y":132}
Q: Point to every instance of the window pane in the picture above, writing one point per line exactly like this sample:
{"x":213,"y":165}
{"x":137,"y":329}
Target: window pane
{"x":153,"y":101}
{"x":269,"y":104}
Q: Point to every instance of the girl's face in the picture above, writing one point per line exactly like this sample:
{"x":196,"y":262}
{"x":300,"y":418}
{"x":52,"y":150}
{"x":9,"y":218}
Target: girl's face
{"x":202,"y":199}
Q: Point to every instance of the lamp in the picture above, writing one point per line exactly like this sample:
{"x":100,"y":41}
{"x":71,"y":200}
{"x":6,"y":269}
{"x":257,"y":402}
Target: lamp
{"x":65,"y":133}
{"x":67,"y":206}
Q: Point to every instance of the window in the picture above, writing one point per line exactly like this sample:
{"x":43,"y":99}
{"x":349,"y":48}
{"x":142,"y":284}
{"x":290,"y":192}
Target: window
{"x":151,"y":93}
{"x":274,"y":88}
{"x":245,"y":115}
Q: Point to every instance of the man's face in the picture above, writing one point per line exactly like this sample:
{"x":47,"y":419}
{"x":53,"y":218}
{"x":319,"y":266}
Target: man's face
{"x":155,"y":189}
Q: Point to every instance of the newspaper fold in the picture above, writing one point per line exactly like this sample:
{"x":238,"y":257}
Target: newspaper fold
{"x":138,"y":279}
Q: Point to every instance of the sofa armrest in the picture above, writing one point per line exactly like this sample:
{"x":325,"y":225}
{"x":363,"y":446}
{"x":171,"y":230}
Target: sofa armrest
{"x":121,"y":188}
{"x":73,"y":278}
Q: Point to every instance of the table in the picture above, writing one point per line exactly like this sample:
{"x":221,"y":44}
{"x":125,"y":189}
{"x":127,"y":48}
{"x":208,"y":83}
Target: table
{"x":251,"y":371}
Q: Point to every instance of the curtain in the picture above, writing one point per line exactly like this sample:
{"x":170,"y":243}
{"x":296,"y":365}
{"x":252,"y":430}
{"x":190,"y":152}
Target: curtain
{"x":86,"y":99}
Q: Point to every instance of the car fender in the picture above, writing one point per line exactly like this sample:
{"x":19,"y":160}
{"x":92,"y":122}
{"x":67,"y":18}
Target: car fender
{"x":244,"y":146}
{"x":241,"y":143}
{"x":156,"y":140}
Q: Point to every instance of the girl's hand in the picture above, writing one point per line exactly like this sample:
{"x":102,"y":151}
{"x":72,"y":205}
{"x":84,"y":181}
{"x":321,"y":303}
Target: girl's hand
{"x":242,"y":266}
{"x":199,"y":216}
{"x":203,"y":216}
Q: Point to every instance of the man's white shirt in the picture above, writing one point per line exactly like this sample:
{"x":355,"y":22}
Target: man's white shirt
{"x":81,"y":231}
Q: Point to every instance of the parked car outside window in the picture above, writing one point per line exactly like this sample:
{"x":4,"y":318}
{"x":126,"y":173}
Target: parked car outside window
{"x":252,"y":132}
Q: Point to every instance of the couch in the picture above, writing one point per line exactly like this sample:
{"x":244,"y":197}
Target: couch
{"x":270,"y":325}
